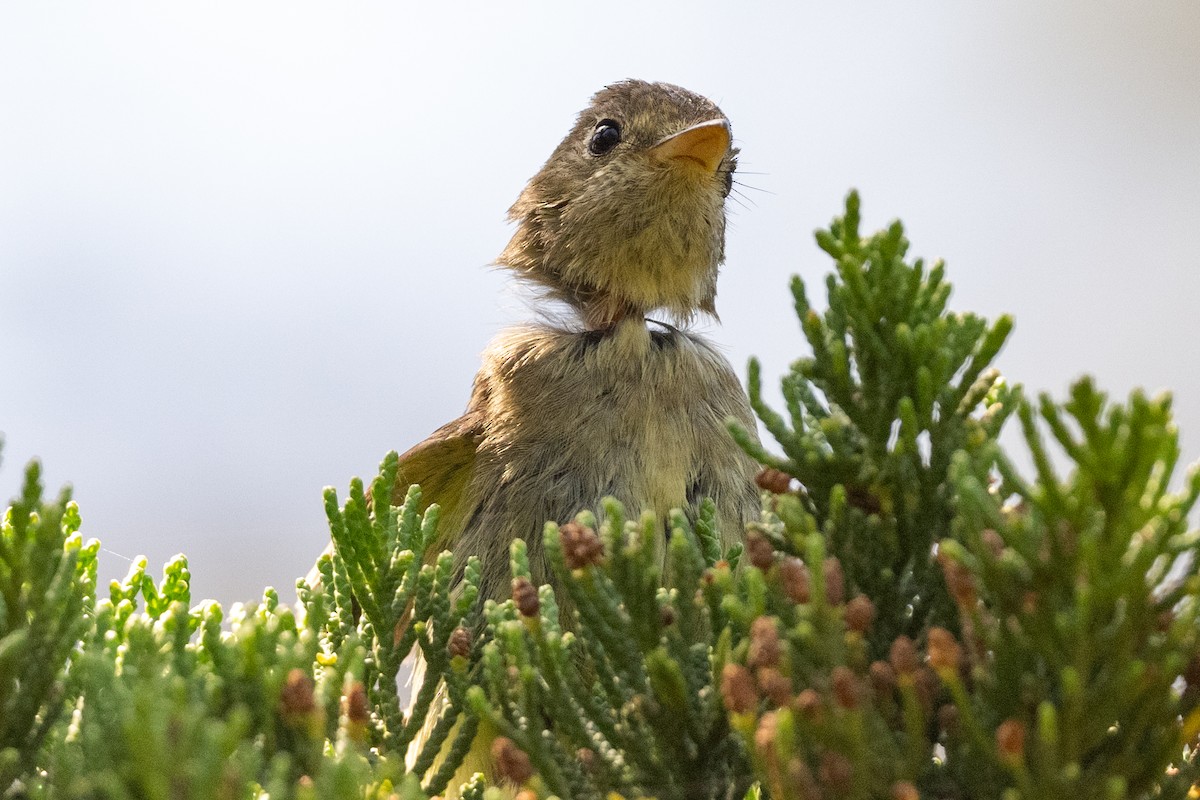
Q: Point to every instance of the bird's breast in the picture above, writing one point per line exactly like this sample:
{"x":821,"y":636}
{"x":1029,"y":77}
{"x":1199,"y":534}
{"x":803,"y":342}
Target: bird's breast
{"x":568,"y":418}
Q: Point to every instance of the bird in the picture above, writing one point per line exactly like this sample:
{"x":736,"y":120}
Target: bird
{"x":613,"y":394}
{"x":623,"y":231}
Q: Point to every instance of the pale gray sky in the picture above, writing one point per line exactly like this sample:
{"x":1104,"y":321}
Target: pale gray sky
{"x":244,"y":246}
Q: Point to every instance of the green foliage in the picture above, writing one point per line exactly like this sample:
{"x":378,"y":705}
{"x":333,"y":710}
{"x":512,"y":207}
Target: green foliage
{"x":140,"y":695}
{"x":894,"y":388}
{"x":631,"y":698}
{"x":1023,"y":638}
{"x":171,"y":705}
{"x":911,"y":617}
{"x":379,"y":565}
{"x":47,"y":586}
{"x":1077,"y":670}
{"x":1076,"y":628}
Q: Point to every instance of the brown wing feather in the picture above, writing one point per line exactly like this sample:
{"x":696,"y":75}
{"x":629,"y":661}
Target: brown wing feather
{"x":443,"y":465}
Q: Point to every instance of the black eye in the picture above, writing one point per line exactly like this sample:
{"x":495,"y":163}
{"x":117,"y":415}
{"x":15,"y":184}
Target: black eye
{"x":606,"y":136}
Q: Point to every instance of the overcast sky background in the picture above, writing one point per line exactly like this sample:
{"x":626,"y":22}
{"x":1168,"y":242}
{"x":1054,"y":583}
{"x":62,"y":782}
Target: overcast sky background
{"x":244,"y":247}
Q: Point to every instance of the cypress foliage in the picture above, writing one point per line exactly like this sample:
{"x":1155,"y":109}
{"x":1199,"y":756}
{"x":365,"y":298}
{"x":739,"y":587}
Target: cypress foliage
{"x":911,"y":617}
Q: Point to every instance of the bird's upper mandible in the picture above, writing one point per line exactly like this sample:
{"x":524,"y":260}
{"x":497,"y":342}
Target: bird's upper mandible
{"x":628,"y":214}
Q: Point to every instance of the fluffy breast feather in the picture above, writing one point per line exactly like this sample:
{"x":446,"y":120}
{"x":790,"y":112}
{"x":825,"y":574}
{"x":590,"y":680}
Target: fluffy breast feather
{"x":571,"y":417}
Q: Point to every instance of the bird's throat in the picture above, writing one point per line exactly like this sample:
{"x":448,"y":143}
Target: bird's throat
{"x":605,"y":313}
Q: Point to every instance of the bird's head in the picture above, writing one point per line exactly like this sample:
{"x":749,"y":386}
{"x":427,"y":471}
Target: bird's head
{"x":628,"y":214}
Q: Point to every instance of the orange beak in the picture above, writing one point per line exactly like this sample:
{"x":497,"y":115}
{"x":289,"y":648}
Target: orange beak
{"x":706,"y":144}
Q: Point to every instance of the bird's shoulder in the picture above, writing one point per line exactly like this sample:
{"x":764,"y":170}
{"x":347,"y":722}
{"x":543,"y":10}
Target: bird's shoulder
{"x":443,"y":465}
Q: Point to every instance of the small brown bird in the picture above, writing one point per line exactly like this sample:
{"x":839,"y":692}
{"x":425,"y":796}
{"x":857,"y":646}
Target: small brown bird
{"x":625,"y":220}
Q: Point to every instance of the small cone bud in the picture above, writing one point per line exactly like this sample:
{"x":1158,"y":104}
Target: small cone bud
{"x":836,"y":772}
{"x":296,"y":697}
{"x":883,"y":679}
{"x":794,"y":577}
{"x":526,"y":597}
{"x":765,"y":649}
{"x":764,"y":736}
{"x":737,"y":689}
{"x":960,"y":582}
{"x":835,"y":582}
{"x":903,"y":656}
{"x":356,"y":711}
{"x":581,"y":546}
{"x":1010,"y":740}
{"x":845,"y":687}
{"x":511,"y":762}
{"x":774,"y":685}
{"x":860,"y":613}
{"x":773,"y":480}
{"x":808,"y":704}
{"x":944,"y":652}
{"x":460,"y":643}
{"x":760,"y":550}
{"x":927,"y":686}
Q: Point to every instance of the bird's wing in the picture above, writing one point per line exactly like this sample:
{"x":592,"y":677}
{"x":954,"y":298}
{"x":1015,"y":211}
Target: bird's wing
{"x":443,"y":465}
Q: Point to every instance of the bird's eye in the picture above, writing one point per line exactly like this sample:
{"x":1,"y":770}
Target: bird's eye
{"x":606,"y":136}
